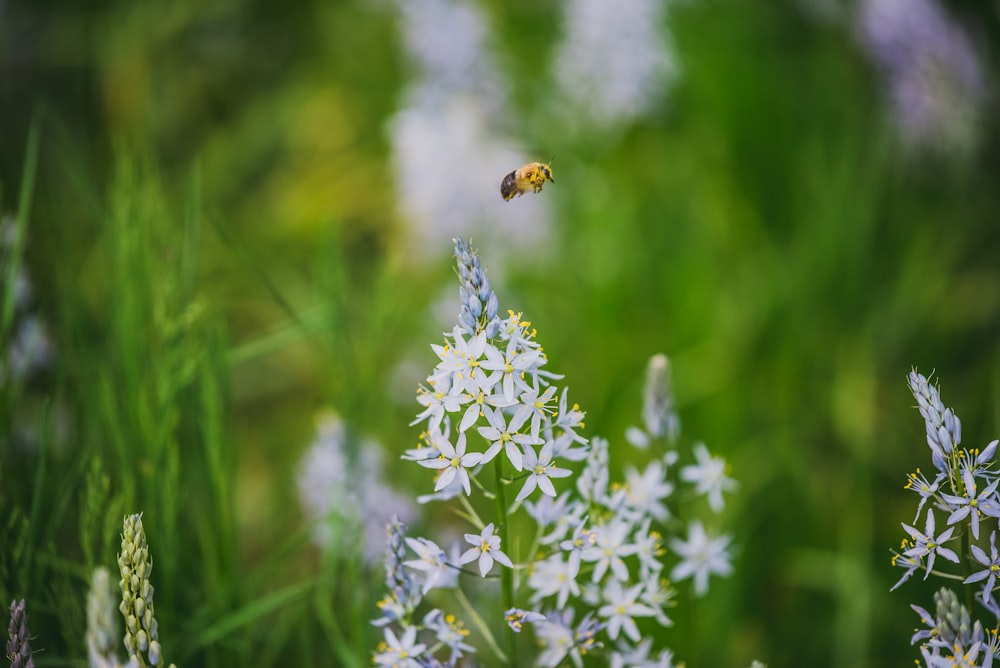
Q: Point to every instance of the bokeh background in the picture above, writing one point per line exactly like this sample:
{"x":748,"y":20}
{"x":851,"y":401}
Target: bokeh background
{"x":234,"y":242}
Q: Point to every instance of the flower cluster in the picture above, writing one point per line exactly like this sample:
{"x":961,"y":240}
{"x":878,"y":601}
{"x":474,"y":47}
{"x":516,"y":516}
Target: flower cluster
{"x":595,"y":564}
{"x":615,"y":61}
{"x":932,"y":73}
{"x":963,"y":489}
{"x":18,"y":637}
{"x":135,"y":565}
{"x":343,"y":493}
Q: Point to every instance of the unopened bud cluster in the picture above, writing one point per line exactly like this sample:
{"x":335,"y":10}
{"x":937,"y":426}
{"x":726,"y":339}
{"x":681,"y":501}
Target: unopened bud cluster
{"x":18,"y":647}
{"x":954,"y":621}
{"x":658,"y":410}
{"x":479,"y":302}
{"x":137,"y":593}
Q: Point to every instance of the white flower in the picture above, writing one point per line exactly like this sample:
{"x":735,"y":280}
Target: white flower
{"x":512,"y":365}
{"x":638,"y":657}
{"x":609,"y":550}
{"x":701,"y":556}
{"x":658,"y":595}
{"x":460,"y":362}
{"x":621,"y":606}
{"x":648,"y":548}
{"x":559,"y":514}
{"x":540,"y":468}
{"x":592,"y":483}
{"x":339,"y":495}
{"x":479,"y":400}
{"x":556,"y":639}
{"x":432,"y":562}
{"x":615,"y":61}
{"x":537,"y":406}
{"x":582,"y":539}
{"x":401,"y":652}
{"x":486,"y":549}
{"x":555,"y":576}
{"x":709,"y":475}
{"x":436,"y":402}
{"x":454,"y":461}
{"x":449,"y":632}
{"x":643,"y":492}
{"x":505,"y":435}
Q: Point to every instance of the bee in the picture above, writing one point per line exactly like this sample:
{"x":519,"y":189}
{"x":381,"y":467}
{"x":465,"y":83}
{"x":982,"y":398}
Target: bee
{"x":533,"y":176}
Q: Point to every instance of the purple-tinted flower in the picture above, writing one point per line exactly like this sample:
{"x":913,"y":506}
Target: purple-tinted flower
{"x":911,"y":564}
{"x":928,"y":545}
{"x":919,"y":484}
{"x":517,"y":618}
{"x":927,"y":619}
{"x":972,"y":505}
{"x":992,"y":567}
{"x":934,"y":78}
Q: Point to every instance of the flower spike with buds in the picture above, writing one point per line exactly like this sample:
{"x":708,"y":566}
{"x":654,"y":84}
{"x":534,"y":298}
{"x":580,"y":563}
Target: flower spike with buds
{"x":18,"y":647}
{"x":136,"y":564}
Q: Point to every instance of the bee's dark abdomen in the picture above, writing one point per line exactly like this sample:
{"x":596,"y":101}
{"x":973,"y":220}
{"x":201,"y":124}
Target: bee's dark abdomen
{"x":509,"y":185}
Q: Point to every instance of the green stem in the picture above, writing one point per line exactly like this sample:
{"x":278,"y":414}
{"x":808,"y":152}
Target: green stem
{"x":480,"y":623}
{"x":966,"y":558}
{"x":506,"y":574}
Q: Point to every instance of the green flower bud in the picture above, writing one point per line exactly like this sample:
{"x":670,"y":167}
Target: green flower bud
{"x":137,"y":595}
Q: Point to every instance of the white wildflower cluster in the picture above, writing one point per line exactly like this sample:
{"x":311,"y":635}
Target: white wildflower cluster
{"x":343,"y":493}
{"x":495,"y":419}
{"x":615,"y":61}
{"x":964,"y":489}
{"x":408,"y":581}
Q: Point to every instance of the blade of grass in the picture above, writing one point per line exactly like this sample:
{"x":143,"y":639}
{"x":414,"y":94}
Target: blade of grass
{"x":249,"y":613}
{"x":20,"y":225}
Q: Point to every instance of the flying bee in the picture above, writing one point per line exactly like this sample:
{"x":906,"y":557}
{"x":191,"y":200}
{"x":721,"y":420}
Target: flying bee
{"x":532,"y":176}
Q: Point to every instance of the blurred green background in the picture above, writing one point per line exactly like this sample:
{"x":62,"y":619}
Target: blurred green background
{"x":238,"y":216}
